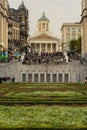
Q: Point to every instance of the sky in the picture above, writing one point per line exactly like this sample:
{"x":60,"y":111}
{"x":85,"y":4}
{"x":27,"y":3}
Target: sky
{"x":57,"y":11}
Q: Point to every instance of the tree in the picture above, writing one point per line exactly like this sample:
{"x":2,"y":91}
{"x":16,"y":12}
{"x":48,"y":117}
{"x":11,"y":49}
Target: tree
{"x":78,"y":45}
{"x":75,"y":45}
{"x":72,"y":45}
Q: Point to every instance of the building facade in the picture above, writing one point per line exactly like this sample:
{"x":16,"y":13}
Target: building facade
{"x":4,"y":24}
{"x":13,"y":34}
{"x":43,"y":40}
{"x":84,"y":25}
{"x":20,"y":26}
{"x":70,"y":31}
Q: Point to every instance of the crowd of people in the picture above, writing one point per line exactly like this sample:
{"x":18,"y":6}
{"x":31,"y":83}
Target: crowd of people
{"x":47,"y":58}
{"x":7,"y":79}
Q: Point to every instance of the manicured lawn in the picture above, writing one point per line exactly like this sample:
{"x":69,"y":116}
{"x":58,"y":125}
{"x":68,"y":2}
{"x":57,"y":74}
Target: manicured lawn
{"x":43,"y":93}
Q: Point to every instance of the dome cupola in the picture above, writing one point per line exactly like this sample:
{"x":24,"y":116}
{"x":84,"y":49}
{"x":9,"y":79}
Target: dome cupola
{"x":43,"y":23}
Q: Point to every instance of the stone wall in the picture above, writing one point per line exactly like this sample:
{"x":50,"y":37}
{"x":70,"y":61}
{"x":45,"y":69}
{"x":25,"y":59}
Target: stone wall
{"x":75,"y":71}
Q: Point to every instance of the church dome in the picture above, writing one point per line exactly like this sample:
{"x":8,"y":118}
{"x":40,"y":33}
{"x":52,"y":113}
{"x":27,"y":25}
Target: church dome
{"x":43,"y":18}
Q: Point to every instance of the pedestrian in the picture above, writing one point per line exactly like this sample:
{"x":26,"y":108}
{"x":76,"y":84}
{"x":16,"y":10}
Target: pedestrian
{"x":0,"y":80}
{"x":85,"y":80}
{"x":13,"y":79}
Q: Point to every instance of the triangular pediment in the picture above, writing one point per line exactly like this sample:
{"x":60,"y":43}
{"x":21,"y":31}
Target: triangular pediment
{"x":43,"y":36}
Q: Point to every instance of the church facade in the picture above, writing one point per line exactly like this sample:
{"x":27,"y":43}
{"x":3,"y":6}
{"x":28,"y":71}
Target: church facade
{"x":43,"y":40}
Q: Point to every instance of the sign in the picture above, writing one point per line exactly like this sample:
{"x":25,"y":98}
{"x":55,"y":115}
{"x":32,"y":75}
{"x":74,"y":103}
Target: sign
{"x":17,"y":54}
{"x":4,"y":55}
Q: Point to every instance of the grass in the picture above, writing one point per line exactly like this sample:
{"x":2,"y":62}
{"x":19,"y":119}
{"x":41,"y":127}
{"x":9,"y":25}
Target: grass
{"x":43,"y":106}
{"x":43,"y":117}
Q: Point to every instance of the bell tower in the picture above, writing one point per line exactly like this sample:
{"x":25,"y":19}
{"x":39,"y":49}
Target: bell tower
{"x":84,"y":25}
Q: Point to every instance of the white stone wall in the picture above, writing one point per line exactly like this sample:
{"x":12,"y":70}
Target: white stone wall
{"x":75,"y":71}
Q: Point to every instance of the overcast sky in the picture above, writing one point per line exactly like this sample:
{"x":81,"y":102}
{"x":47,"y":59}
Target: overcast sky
{"x":57,"y":11}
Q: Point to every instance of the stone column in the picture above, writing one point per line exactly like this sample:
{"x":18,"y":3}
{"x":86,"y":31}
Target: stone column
{"x":57,"y":49}
{"x":40,"y":48}
{"x":39,"y":77}
{"x":69,"y":80}
{"x":46,"y":47}
{"x":51,"y":47}
{"x":21,"y":77}
{"x":4,"y":37}
{"x":57,"y":76}
{"x":32,"y":77}
{"x":50,"y":77}
{"x":1,"y":30}
{"x":45,"y":77}
{"x":63,"y":77}
{"x":27,"y":77}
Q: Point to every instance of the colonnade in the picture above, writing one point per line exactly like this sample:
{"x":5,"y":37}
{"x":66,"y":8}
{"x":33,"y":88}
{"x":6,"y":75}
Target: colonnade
{"x":44,"y":47}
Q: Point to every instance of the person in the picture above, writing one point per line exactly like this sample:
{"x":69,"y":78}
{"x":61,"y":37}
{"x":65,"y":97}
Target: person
{"x":0,"y":80}
{"x":13,"y":79}
{"x":85,"y":80}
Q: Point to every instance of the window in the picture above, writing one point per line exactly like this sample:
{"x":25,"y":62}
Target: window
{"x":60,"y":78}
{"x":73,"y":30}
{"x":41,"y":77}
{"x":67,"y":30}
{"x":73,"y":37}
{"x":66,"y":78}
{"x":23,"y":77}
{"x":67,"y":39}
{"x":79,"y":30}
{"x":48,"y":77}
{"x":29,"y":77}
{"x":35,"y":77}
{"x":54,"y":78}
{"x":43,"y":25}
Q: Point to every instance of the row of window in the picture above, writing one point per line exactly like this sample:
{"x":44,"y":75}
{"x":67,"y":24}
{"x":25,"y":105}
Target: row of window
{"x":15,"y":34}
{"x":48,"y":78}
{"x":43,"y":24}
{"x":73,"y":30}
{"x":15,"y":24}
{"x":74,"y":37}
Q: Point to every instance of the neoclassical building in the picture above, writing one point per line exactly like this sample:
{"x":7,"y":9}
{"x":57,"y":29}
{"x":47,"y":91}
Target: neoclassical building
{"x":84,"y":25}
{"x":43,"y":40}
{"x":4,"y":24}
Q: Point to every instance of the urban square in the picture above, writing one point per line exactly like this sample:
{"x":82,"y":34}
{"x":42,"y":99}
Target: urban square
{"x":43,"y":78}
